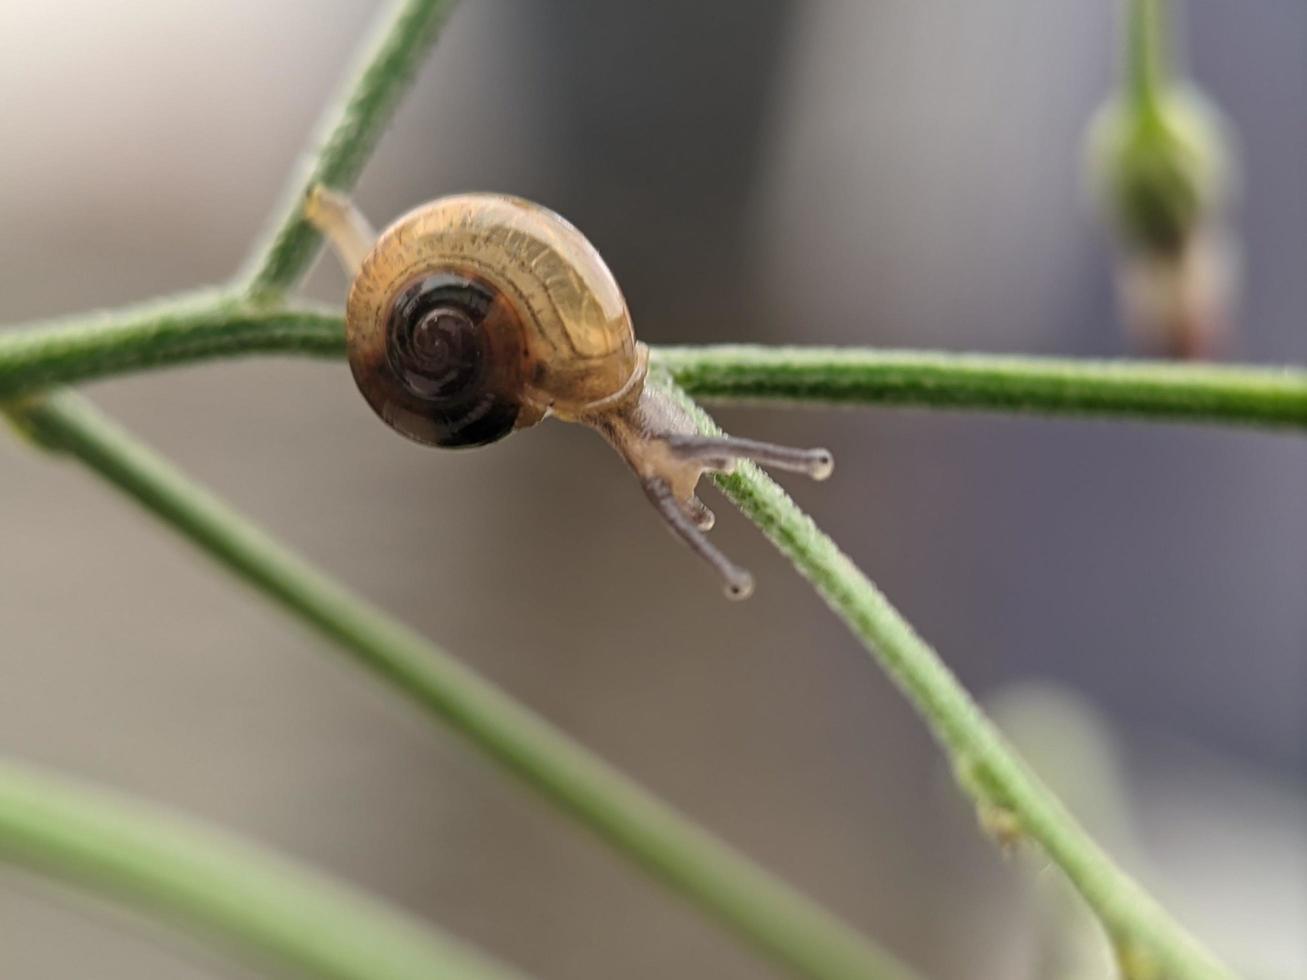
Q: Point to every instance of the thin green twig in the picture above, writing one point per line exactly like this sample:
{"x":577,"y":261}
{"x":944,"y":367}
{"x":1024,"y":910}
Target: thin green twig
{"x":179,"y":330}
{"x":1147,"y":52}
{"x":758,"y":906}
{"x":349,"y":130}
{"x":210,"y":325}
{"x":220,"y":887}
{"x":1148,"y":942}
{"x":1158,"y":391}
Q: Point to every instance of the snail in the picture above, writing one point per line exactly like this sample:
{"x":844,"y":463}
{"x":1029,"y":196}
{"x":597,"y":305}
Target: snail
{"x":478,"y":314}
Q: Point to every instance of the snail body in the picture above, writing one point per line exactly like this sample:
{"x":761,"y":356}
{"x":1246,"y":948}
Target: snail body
{"x":478,"y":314}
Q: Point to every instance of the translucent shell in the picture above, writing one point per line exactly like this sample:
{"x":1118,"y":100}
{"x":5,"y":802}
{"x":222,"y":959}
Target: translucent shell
{"x":555,"y":333}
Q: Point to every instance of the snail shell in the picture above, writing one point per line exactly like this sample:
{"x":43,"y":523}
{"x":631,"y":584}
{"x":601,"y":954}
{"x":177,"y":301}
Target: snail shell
{"x":478,"y":314}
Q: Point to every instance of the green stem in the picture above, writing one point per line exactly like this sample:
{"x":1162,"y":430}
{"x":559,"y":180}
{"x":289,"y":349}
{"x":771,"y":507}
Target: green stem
{"x":1268,"y":397}
{"x":208,"y":325}
{"x":349,"y":130}
{"x":988,"y":768}
{"x":761,"y":908}
{"x":1147,"y":56}
{"x":220,"y":887}
{"x":175,"y":331}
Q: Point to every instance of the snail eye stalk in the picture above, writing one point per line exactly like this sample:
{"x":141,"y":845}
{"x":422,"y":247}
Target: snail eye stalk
{"x":720,"y":453}
{"x":738,"y":583}
{"x":342,"y":224}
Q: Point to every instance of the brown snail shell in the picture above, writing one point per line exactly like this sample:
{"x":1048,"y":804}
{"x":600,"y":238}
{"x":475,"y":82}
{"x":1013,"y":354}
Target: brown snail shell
{"x":478,"y":314}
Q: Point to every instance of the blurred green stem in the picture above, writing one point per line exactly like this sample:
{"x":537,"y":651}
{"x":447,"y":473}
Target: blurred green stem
{"x":219,"y":887}
{"x":767,"y":912}
{"x":1147,"y":52}
{"x":988,"y":769}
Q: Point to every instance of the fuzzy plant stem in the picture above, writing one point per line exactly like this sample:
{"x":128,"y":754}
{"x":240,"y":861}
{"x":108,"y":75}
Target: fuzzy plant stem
{"x":346,"y":136}
{"x":219,"y":887}
{"x":180,"y":330}
{"x":778,"y":920}
{"x":1157,"y":391}
{"x":1010,"y":799}
{"x":212,"y":325}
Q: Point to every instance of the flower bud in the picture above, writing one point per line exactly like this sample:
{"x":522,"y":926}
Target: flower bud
{"x":1162,"y":174}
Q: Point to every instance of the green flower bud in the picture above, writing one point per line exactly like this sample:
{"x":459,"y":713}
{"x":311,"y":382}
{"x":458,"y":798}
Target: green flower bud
{"x":1161,"y":170}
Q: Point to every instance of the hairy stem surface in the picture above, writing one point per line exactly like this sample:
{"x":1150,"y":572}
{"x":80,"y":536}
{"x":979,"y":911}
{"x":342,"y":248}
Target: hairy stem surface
{"x":348,"y":133}
{"x":1251,"y":396}
{"x":184,"y":330}
{"x":988,"y":769}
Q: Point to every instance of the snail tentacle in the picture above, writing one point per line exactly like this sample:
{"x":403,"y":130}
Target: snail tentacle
{"x":720,"y":453}
{"x":698,"y":511}
{"x":738,"y":583}
{"x":341,"y":223}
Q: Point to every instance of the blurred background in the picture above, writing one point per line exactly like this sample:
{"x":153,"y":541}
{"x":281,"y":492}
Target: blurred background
{"x":1129,"y":597}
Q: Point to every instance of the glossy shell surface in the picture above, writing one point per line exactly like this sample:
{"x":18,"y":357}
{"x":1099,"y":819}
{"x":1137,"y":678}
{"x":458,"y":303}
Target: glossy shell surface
{"x":575,"y":349}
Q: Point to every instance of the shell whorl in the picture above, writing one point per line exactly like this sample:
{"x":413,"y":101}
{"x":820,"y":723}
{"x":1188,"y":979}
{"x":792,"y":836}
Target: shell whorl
{"x":576,"y":346}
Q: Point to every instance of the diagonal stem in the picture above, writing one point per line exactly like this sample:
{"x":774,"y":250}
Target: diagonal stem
{"x":1148,"y":942}
{"x":347,"y":134}
{"x":764,"y":910}
{"x":218,"y":886}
